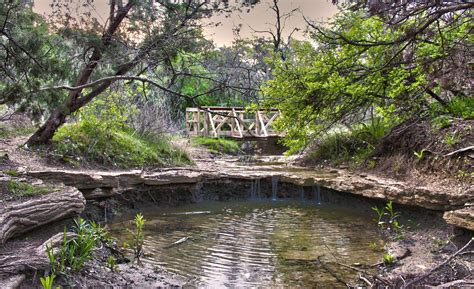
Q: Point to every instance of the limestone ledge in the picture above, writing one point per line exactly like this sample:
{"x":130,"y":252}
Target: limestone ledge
{"x":370,"y":186}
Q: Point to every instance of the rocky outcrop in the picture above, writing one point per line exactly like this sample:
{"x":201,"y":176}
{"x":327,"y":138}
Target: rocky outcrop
{"x":105,"y":184}
{"x":463,"y":218}
{"x":20,"y":216}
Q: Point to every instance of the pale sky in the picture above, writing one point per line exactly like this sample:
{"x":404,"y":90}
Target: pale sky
{"x":259,"y":18}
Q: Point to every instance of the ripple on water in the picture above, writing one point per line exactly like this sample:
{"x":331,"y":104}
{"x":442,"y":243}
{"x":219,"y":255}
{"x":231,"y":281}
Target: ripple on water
{"x":256,"y":243}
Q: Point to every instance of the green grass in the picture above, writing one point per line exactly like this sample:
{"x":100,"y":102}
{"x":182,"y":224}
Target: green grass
{"x":114,"y":146}
{"x":217,"y":145}
{"x":12,"y":172}
{"x":20,"y":189}
{"x":352,"y":146}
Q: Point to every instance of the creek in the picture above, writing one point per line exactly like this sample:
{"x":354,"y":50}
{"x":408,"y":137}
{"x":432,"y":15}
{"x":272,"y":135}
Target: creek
{"x":257,"y":242}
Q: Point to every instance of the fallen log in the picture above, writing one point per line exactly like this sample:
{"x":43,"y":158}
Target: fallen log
{"x":21,"y":216}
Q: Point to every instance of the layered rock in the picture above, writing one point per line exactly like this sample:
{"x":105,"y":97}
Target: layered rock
{"x":106,"y":184}
{"x":463,"y":218}
{"x":17,"y":217}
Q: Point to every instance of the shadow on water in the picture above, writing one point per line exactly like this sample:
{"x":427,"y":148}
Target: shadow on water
{"x":258,"y":242}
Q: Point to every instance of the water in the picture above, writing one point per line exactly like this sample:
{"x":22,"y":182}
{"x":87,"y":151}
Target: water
{"x":256,"y":243}
{"x":317,"y":194}
{"x":255,"y":189}
{"x":274,"y":187}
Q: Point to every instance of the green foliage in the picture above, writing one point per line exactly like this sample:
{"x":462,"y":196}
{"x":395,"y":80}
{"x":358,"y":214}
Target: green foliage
{"x":12,"y":172}
{"x":451,"y":138}
{"x":102,"y":136}
{"x":112,"y":263}
{"x":442,"y":121}
{"x":21,"y":189}
{"x":47,"y":282}
{"x":218,"y":145}
{"x":387,"y":219}
{"x":462,"y":107}
{"x":138,"y":236}
{"x":353,"y":145}
{"x":76,"y":252}
{"x":388,"y":259}
{"x":420,"y":154}
{"x":336,"y":83}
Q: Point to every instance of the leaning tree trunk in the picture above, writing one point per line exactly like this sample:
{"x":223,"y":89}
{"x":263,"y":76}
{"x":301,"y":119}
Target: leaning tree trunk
{"x":75,"y":100}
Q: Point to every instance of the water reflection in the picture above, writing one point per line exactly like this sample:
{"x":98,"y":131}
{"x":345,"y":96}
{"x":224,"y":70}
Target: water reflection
{"x":259,"y":243}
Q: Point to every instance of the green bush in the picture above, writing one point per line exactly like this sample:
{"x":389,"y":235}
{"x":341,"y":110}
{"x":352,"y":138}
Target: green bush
{"x":218,"y":145}
{"x":94,"y":141}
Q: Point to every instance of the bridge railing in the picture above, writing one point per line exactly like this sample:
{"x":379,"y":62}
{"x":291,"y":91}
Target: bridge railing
{"x":231,"y":122}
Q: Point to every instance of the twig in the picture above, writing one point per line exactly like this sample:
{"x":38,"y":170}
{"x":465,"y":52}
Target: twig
{"x":363,"y":271}
{"x":460,"y":151}
{"x":438,"y":266}
{"x":365,"y":280}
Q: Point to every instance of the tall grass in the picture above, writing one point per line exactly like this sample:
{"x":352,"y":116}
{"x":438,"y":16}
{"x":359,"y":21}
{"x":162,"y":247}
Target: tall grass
{"x":352,"y":145}
{"x":115,"y":146}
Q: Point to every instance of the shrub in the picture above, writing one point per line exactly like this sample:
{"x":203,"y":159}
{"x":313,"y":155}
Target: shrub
{"x":218,"y":145}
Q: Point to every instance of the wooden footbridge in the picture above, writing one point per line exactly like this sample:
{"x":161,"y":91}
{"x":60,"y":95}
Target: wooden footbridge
{"x":233,"y":122}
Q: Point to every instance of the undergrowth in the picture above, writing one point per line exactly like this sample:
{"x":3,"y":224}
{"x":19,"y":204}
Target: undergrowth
{"x":94,"y":141}
{"x":353,"y":145}
{"x":218,"y":145}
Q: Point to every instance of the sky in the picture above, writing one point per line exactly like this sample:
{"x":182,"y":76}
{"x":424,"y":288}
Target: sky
{"x":258,"y":18}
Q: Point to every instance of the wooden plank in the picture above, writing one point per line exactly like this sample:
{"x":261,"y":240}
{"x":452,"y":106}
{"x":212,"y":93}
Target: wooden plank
{"x":264,"y":130}
{"x":211,"y":121}
{"x":237,"y":123}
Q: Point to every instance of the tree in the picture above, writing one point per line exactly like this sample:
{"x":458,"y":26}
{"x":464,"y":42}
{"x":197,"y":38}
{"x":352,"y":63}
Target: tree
{"x":360,"y":65}
{"x":137,"y":37}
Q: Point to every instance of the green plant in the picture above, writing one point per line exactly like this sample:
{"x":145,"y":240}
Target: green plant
{"x":112,"y":263}
{"x":20,"y":189}
{"x":442,"y":121}
{"x":380,"y":214}
{"x":371,"y":164}
{"x":47,"y":282}
{"x":75,"y":252}
{"x":12,"y":173}
{"x":388,"y":259}
{"x":420,"y":154}
{"x":451,"y":139}
{"x":387,"y":218}
{"x":137,"y":236}
{"x":80,"y":248}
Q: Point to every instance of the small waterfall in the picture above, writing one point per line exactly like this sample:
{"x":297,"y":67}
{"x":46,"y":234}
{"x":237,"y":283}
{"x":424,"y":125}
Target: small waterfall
{"x":301,"y":193}
{"x":274,"y":187}
{"x":317,"y":194}
{"x":255,"y":189}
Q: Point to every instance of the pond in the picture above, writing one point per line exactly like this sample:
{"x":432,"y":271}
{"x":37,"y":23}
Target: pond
{"x":257,"y":243}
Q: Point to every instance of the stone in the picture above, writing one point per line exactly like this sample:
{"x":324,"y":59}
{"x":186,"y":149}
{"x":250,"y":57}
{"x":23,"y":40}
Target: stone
{"x":463,"y":218}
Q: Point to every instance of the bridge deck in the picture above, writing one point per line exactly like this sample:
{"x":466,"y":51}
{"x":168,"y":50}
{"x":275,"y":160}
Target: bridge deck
{"x":231,"y":122}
